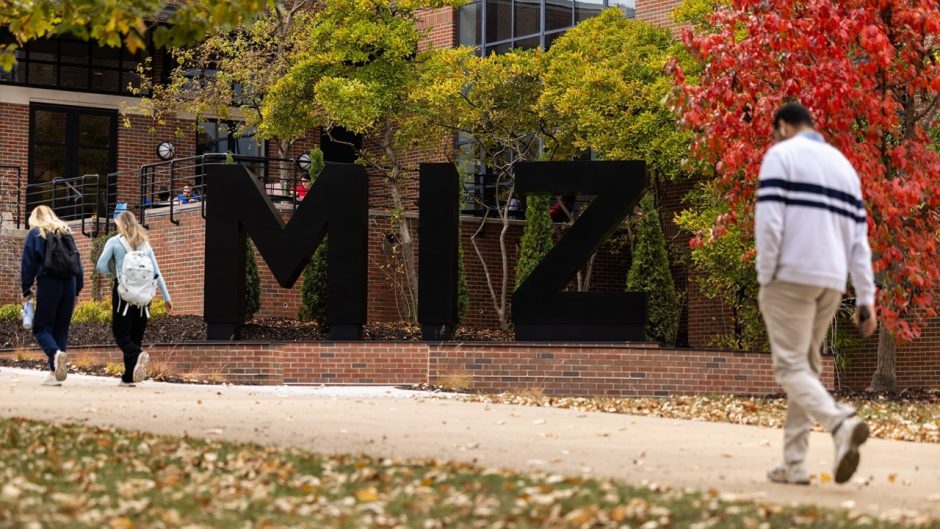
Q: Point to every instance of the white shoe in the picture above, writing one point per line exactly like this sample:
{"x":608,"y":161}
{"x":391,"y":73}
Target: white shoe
{"x":793,"y":473}
{"x":848,"y":437}
{"x":140,"y":370}
{"x":123,"y":384}
{"x":61,"y":365}
{"x":50,"y":380}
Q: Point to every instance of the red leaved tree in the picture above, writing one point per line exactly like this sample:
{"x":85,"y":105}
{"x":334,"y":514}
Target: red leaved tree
{"x":868,"y":70}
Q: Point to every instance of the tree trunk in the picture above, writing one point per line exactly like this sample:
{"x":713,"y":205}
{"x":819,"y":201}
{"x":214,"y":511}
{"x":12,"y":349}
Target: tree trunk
{"x":885,"y":378}
{"x":406,"y":242}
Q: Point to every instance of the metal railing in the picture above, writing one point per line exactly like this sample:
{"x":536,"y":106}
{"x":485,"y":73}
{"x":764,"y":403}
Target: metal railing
{"x":162,"y":183}
{"x":88,"y":198}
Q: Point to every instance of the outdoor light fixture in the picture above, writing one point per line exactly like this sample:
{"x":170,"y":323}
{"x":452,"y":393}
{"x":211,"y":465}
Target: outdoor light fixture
{"x":303,"y":162}
{"x":166,"y":150}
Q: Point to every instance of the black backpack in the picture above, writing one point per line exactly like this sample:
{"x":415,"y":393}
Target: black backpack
{"x":62,"y":259}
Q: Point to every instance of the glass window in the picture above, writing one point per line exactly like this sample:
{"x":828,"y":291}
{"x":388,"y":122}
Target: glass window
{"x":585,"y":9}
{"x":551,"y":38}
{"x":42,"y":74}
{"x":75,"y":52}
{"x":627,"y":7}
{"x":73,"y":77}
{"x":498,"y":20}
{"x":527,"y":17}
{"x":73,"y":64}
{"x":499,"y":48}
{"x":219,"y":137}
{"x":558,"y":14}
{"x":470,"y":24}
{"x":530,"y":43}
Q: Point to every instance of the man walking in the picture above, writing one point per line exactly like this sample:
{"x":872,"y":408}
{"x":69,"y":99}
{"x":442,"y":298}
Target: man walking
{"x":812,"y":232}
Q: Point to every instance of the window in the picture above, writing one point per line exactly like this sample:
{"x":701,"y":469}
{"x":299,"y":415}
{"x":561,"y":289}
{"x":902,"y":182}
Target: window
{"x":68,"y":63}
{"x":219,"y":137}
{"x":497,"y":26}
{"x":66,"y":143}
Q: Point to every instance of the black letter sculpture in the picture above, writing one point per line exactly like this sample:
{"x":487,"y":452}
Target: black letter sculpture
{"x":438,"y":238}
{"x":338,"y":202}
{"x":541,"y":311}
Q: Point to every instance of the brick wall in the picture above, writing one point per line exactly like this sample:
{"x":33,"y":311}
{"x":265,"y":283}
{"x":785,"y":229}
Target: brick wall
{"x":658,"y":12}
{"x":556,"y":369}
{"x":14,"y":150}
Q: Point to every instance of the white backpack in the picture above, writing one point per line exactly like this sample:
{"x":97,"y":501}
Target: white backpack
{"x":137,"y":283}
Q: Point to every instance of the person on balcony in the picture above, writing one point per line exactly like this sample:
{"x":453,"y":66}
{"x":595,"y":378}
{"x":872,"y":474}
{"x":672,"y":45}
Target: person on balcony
{"x":302,"y":188}
{"x":187,"y":196}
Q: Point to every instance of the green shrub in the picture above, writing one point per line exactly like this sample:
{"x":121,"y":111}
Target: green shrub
{"x":158,"y":310}
{"x":252,"y":283}
{"x":92,"y":312}
{"x":97,"y":246}
{"x":313,"y":288}
{"x":649,"y":273}
{"x":536,"y":237}
{"x":10,"y":312}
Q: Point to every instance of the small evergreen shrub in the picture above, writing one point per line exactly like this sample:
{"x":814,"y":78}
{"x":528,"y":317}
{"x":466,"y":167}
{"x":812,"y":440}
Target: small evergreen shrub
{"x":649,"y":273}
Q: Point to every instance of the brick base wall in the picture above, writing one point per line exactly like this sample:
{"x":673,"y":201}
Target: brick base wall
{"x":556,"y":369}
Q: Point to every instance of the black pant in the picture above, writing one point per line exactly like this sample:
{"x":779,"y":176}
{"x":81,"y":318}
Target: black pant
{"x":128,"y":330}
{"x":55,"y":301}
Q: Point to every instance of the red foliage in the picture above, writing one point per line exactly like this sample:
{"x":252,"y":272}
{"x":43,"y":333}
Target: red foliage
{"x":868,"y":71}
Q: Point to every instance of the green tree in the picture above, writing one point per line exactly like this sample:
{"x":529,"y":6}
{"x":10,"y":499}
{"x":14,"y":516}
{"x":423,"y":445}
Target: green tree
{"x":650,"y":273}
{"x":360,"y":67}
{"x":122,"y":23}
{"x":606,"y":88}
{"x":230,"y":73}
{"x":494,"y":100}
{"x":313,"y":287}
{"x":536,"y":236}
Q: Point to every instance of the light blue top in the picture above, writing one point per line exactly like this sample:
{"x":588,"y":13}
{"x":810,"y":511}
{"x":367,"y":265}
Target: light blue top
{"x":112,"y":258}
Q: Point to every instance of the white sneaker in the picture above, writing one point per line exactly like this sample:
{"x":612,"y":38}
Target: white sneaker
{"x":848,"y":437}
{"x":61,"y":365}
{"x":123,"y":384}
{"x":140,"y":370}
{"x":793,"y":473}
{"x":50,"y":380}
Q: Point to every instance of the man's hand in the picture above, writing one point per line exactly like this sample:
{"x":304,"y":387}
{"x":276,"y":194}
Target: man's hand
{"x":169,"y":307}
{"x":866,"y":320}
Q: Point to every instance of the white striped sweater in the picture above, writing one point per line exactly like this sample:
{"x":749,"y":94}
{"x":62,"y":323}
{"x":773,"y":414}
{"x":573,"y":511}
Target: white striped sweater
{"x":811,"y":224}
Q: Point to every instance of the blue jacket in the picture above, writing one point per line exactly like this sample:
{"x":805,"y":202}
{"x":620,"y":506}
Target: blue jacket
{"x":112,"y":261}
{"x":33,"y":264}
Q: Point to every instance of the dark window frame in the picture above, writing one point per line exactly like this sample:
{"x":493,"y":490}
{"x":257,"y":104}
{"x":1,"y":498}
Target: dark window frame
{"x":72,"y":144}
{"x":126,"y":66}
{"x":485,"y":46}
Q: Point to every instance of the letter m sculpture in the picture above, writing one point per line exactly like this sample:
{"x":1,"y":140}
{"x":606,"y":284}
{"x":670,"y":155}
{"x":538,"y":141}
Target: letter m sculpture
{"x":337,"y":203}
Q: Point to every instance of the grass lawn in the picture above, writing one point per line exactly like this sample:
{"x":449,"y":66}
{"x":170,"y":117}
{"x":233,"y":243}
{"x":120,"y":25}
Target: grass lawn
{"x":897,"y":420}
{"x":78,"y":476}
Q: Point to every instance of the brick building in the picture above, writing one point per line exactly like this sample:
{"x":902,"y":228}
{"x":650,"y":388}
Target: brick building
{"x":60,"y":117}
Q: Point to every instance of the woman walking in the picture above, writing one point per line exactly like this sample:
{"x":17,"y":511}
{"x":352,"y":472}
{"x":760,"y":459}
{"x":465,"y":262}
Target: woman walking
{"x":51,"y":260}
{"x":132,"y":292}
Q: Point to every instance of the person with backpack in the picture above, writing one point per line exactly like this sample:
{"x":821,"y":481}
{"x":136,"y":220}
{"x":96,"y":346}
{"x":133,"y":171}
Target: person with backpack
{"x":129,"y":257}
{"x":51,"y":260}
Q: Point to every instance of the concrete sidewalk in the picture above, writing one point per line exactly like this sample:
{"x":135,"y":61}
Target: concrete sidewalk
{"x":894,"y":476}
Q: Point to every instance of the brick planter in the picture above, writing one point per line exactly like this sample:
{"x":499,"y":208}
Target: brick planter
{"x":555,"y":369}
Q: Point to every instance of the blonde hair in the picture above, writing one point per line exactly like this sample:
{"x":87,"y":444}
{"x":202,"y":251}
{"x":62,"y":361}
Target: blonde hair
{"x":45,"y":220}
{"x":128,"y":226}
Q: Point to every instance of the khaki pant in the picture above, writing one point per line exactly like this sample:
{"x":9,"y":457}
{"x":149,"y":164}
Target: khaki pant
{"x":797,"y":319}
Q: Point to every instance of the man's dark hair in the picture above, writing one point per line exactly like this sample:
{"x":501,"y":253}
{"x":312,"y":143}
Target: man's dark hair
{"x":793,"y":114}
